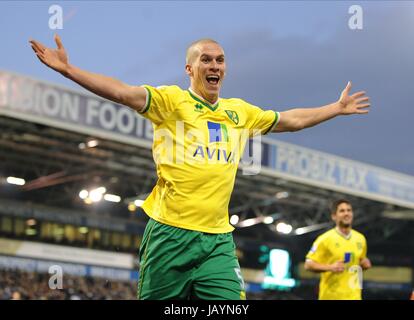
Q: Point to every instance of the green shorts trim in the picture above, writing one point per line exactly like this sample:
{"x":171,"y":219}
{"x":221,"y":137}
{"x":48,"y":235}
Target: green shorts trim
{"x":184,"y":264}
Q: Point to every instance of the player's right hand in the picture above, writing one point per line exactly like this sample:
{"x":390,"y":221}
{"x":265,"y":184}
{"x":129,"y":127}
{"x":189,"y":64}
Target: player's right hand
{"x":57,"y":59}
{"x":337,"y":267}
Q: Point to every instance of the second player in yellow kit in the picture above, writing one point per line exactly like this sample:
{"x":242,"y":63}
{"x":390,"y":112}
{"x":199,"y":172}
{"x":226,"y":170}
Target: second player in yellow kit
{"x":341,"y":255}
{"x":334,"y":246}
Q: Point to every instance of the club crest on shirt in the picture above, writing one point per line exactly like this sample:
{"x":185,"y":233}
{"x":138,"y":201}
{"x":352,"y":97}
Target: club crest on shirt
{"x":198,"y":108}
{"x":233,"y":116}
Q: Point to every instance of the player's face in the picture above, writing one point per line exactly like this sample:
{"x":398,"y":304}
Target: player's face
{"x":208,"y":71}
{"x":344,"y":215}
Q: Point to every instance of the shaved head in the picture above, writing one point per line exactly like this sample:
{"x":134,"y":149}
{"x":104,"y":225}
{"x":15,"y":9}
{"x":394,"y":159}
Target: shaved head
{"x":193,"y":51}
{"x":206,"y":67}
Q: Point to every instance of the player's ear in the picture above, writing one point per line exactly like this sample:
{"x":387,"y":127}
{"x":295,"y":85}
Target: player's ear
{"x":189,"y":70}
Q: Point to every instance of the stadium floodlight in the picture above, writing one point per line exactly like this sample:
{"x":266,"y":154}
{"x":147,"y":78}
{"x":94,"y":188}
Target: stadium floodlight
{"x":248,"y":222}
{"x":288,"y":228}
{"x":300,"y":231}
{"x":268,"y":220}
{"x":262,"y":219}
{"x":101,"y":190}
{"x":138,"y":202}
{"x":83,"y":194}
{"x":112,"y":197}
{"x":315,"y":227}
{"x":282,"y":195}
{"x":89,"y":144}
{"x":96,"y":195}
{"x":16,"y":181}
{"x":132,"y":207}
{"x":234,"y":219}
{"x":92,"y":143}
{"x":284,"y":228}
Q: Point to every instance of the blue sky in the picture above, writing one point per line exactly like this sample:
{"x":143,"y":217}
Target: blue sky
{"x":280,"y":55}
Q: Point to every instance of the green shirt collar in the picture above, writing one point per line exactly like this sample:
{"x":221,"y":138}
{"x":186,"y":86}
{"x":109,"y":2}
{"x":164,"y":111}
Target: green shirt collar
{"x":195,"y":96}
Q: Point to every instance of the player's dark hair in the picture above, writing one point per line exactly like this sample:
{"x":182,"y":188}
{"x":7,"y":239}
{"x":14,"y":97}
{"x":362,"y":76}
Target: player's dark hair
{"x":336,"y":204}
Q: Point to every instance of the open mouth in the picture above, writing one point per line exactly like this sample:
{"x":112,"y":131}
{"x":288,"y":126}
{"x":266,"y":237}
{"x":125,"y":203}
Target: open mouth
{"x":213,"y":79}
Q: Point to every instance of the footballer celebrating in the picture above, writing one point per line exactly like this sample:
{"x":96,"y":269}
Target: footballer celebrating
{"x":188,"y":250}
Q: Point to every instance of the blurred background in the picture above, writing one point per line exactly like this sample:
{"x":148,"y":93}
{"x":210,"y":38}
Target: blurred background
{"x":74,"y":168}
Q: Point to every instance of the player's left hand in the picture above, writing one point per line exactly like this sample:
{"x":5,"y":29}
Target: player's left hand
{"x":365,"y":263}
{"x":356,"y":103}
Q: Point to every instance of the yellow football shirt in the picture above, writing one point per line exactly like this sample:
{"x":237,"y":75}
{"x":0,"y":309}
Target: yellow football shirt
{"x":197,"y":147}
{"x":332,"y":246}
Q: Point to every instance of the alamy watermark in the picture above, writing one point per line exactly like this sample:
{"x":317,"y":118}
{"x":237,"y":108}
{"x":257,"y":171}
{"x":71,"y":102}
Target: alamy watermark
{"x":56,"y":278}
{"x":56,"y":18}
{"x":218,"y":144}
{"x":356,"y":279}
{"x":356,"y":21}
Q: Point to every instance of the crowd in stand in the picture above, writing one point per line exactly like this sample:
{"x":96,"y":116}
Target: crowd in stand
{"x":19,"y":285}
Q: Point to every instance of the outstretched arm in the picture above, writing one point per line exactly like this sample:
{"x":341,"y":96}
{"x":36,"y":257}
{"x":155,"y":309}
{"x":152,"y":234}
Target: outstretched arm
{"x":298,"y":119}
{"x":106,"y":87}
